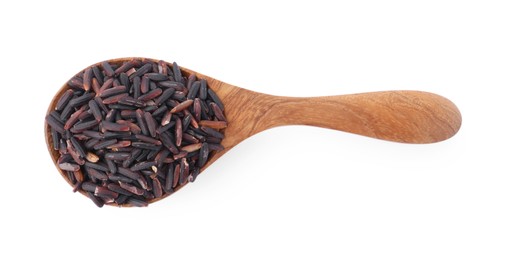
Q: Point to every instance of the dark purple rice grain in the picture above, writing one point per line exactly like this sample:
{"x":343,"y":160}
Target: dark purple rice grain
{"x":162,"y":67}
{"x":203,"y":154}
{"x":87,"y":79}
{"x":89,"y":186}
{"x":142,"y":181}
{"x":125,"y":66}
{"x":146,"y":146}
{"x":197,"y":135}
{"x":213,"y":140}
{"x":117,"y":156}
{"x":122,"y":199}
{"x":178,"y":86}
{"x":137,"y":202}
{"x":107,"y":69}
{"x":197,"y":109}
{"x":99,"y":202}
{"x":71,"y":177}
{"x":119,"y":144}
{"x":185,"y":172}
{"x":116,"y":188}
{"x":111,"y":166}
{"x":98,"y":74}
{"x":167,"y":142}
{"x":136,"y":87}
{"x":55,"y":138}
{"x":80,"y":127}
{"x":179,"y":132}
{"x":81,"y":100}
{"x":101,"y":104}
{"x":97,"y":174}
{"x":150,"y":123}
{"x":76,"y":83}
{"x":54,"y":123}
{"x":64,"y":100}
{"x":93,"y":134}
{"x":113,"y":91}
{"x":120,"y":178}
{"x":140,"y":121}
{"x":69,"y":166}
{"x":142,"y":166}
{"x":85,"y":115}
{"x":90,"y":143}
{"x":148,"y":139}
{"x":157,"y":188}
{"x":217,"y":112}
{"x":193,"y":176}
{"x":107,"y":84}
{"x":177,"y":73}
{"x":189,"y":82}
{"x":212,"y":132}
{"x":114,"y":99}
{"x":160,"y":111}
{"x":143,"y":155}
{"x":166,"y":94}
{"x":186,"y":121}
{"x":181,"y":154}
{"x":144,"y":85}
{"x":109,"y":126}
{"x":215,"y":98}
{"x":104,"y":192}
{"x":116,"y":135}
{"x":77,"y":146}
{"x":203,"y":89}
{"x":142,"y":70}
{"x":169,"y":178}
{"x":63,"y":146}
{"x":216,"y":147}
{"x":177,"y":170}
{"x":121,"y":107}
{"x":111,"y":115}
{"x":128,"y":173}
{"x":161,"y":156}
{"x":95,"y":85}
{"x":116,"y":83}
{"x":132,"y":103}
{"x":166,"y":118}
{"x":164,"y":128}
{"x":123,"y":79}
{"x":157,"y":76}
{"x":95,"y":110}
{"x":151,"y":94}
{"x":57,"y":116}
{"x":194,"y":90}
{"x":96,"y":166}
{"x":179,"y":96}
{"x":131,"y":188}
{"x":150,"y":108}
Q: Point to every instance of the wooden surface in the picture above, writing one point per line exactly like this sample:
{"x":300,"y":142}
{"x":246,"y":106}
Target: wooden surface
{"x":400,"y":116}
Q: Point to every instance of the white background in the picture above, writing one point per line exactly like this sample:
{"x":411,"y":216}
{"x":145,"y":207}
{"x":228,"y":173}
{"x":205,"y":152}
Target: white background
{"x":289,"y":192}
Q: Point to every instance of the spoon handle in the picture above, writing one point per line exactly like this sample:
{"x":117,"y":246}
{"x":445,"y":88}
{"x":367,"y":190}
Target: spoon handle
{"x":400,"y":116}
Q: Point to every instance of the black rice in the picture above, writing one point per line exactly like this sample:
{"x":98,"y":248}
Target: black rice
{"x":131,"y":132}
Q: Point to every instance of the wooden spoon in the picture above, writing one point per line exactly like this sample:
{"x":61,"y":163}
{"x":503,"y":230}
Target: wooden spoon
{"x":400,"y":116}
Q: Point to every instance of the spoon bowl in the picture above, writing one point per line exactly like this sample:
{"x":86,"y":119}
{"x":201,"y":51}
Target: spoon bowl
{"x":401,"y":116}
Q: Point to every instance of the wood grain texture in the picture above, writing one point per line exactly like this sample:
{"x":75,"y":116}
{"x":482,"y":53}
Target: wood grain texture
{"x":400,"y":116}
